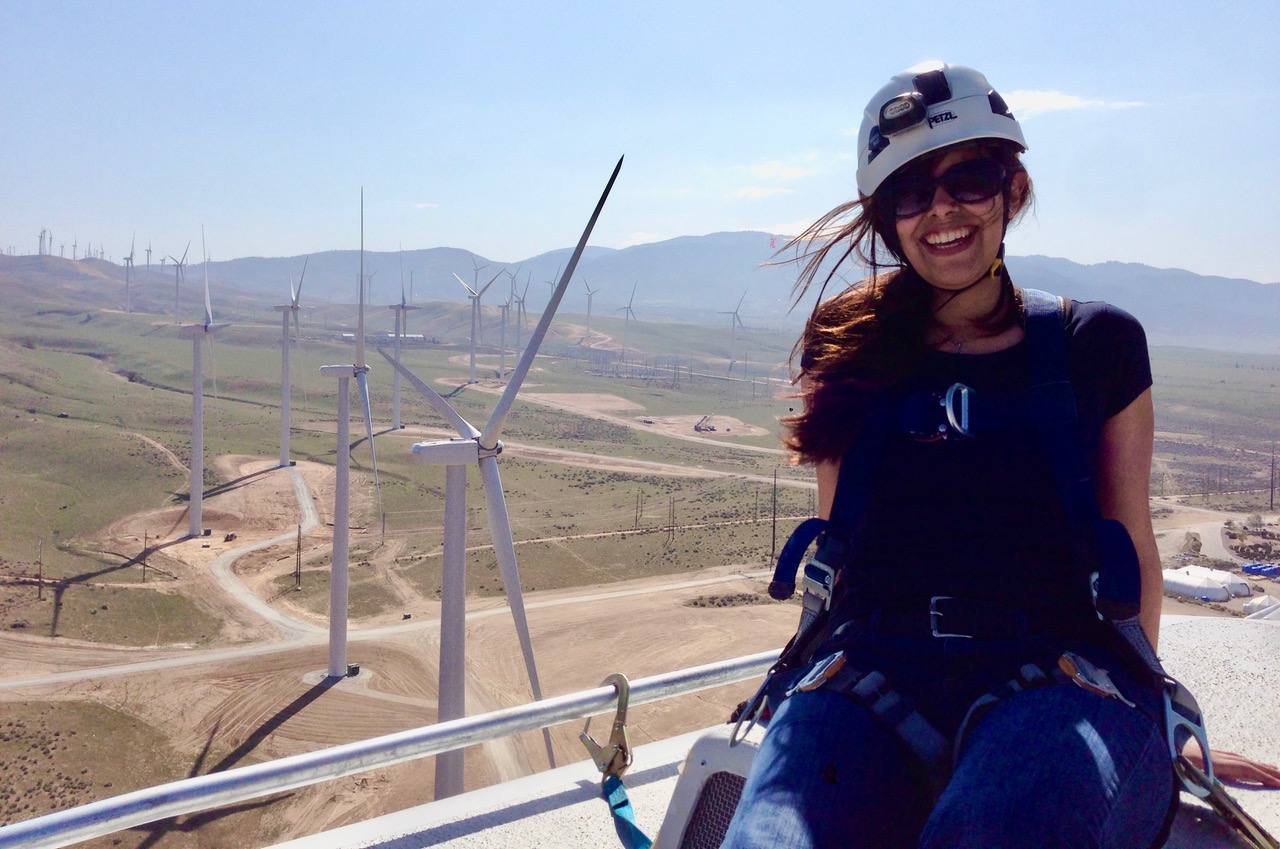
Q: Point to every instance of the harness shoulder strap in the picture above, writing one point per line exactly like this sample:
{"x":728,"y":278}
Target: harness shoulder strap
{"x":1118,"y":589}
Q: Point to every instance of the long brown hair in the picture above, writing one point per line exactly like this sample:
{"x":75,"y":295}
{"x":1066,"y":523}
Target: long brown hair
{"x":871,"y":336}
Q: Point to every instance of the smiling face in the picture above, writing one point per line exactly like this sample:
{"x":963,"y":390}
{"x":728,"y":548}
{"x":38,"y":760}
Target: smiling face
{"x":952,"y":244}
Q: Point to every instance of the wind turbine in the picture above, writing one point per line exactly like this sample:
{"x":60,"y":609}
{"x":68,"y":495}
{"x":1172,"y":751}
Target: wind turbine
{"x":287,"y":311}
{"x":628,"y":315}
{"x":475,"y":314}
{"x":505,"y":306}
{"x":481,"y":447}
{"x":402,"y":329}
{"x":178,"y":274}
{"x":521,"y":316}
{"x":148,"y":254}
{"x":197,"y":333}
{"x":590,"y":294}
{"x":128,"y":269}
{"x":734,"y":323}
{"x":339,"y":580}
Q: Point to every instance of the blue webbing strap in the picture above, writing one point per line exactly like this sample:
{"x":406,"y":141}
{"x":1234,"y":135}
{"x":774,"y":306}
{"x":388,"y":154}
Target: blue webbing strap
{"x":1119,"y":588}
{"x":624,"y":816}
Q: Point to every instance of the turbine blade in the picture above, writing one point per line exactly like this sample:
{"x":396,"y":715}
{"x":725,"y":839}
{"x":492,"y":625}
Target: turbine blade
{"x":490,"y":283}
{"x":362,"y":379}
{"x":183,"y":261}
{"x":465,"y":285}
{"x":493,"y":427}
{"x":504,"y":548}
{"x":360,"y":326}
{"x":208,"y":305}
{"x":298,"y":293}
{"x":435,"y":399}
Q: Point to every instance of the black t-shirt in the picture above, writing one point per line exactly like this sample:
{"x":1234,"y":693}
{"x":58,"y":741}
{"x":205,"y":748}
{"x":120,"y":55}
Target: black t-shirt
{"x":981,"y":517}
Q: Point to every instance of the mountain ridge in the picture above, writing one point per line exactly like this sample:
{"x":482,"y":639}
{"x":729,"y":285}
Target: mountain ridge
{"x":687,"y":279}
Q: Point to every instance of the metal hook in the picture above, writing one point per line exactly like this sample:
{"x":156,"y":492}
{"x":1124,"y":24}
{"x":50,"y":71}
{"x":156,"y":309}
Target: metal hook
{"x":614,"y":757}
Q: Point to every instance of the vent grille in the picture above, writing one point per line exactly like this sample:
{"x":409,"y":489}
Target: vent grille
{"x":711,"y":815}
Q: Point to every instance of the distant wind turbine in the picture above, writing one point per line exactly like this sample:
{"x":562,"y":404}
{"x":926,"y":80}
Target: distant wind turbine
{"x":128,"y":274}
{"x":178,"y":275}
{"x":402,"y":330}
{"x":287,"y":311}
{"x":475,"y":296}
{"x":521,"y":316}
{"x":590,"y":294}
{"x":628,"y":315}
{"x":198,"y":333}
{"x":481,"y":447}
{"x":734,"y":323}
{"x":339,"y":583}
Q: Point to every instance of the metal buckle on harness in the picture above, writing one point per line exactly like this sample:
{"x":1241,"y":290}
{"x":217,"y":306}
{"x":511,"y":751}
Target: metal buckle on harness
{"x":819,"y":579}
{"x":958,"y":415}
{"x":1176,"y":720}
{"x":935,"y":614}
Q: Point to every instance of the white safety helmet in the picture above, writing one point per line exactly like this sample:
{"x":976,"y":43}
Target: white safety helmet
{"x":924,"y":109}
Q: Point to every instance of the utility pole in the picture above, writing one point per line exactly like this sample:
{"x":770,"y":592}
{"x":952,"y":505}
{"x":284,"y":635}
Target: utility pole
{"x":40,"y":570}
{"x":297,"y":563}
{"x":773,"y":551}
{"x":1272,"y":503}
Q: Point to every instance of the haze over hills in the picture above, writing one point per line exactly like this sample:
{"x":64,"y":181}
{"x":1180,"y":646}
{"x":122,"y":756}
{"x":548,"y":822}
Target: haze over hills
{"x":692,"y":279}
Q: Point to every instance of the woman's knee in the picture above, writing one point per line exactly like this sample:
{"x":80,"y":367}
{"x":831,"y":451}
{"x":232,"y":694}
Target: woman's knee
{"x":829,"y":772}
{"x":1057,"y":767}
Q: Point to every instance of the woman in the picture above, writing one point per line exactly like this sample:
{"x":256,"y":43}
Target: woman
{"x":962,"y":528}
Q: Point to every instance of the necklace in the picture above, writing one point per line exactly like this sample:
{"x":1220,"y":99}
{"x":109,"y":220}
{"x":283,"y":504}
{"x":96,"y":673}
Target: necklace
{"x":953,"y":343}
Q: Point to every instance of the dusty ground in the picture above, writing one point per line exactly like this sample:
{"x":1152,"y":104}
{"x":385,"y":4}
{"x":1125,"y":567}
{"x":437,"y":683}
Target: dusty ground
{"x":611,"y":408}
{"x":225,"y":713}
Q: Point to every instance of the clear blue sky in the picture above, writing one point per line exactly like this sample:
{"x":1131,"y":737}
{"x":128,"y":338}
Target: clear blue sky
{"x":492,"y":126}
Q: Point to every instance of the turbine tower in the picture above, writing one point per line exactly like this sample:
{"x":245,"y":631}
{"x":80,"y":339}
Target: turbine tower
{"x":402,"y":329}
{"x":481,"y":447}
{"x":339,"y":580}
{"x":287,"y":311}
{"x":148,"y":254}
{"x":475,"y":315}
{"x":197,"y":333}
{"x":734,"y":323}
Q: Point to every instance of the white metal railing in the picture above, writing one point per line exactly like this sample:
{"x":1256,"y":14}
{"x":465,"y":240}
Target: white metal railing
{"x":204,"y":792}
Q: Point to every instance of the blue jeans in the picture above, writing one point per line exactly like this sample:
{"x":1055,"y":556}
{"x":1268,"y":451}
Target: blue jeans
{"x":1055,"y":766}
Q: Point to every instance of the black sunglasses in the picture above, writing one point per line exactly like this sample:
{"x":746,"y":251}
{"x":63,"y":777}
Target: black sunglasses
{"x":973,"y":181}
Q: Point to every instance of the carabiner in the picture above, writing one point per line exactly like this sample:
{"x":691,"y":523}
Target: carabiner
{"x":614,"y":757}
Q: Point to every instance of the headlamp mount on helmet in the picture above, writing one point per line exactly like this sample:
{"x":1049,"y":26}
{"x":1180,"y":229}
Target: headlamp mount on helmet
{"x":924,"y":109}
